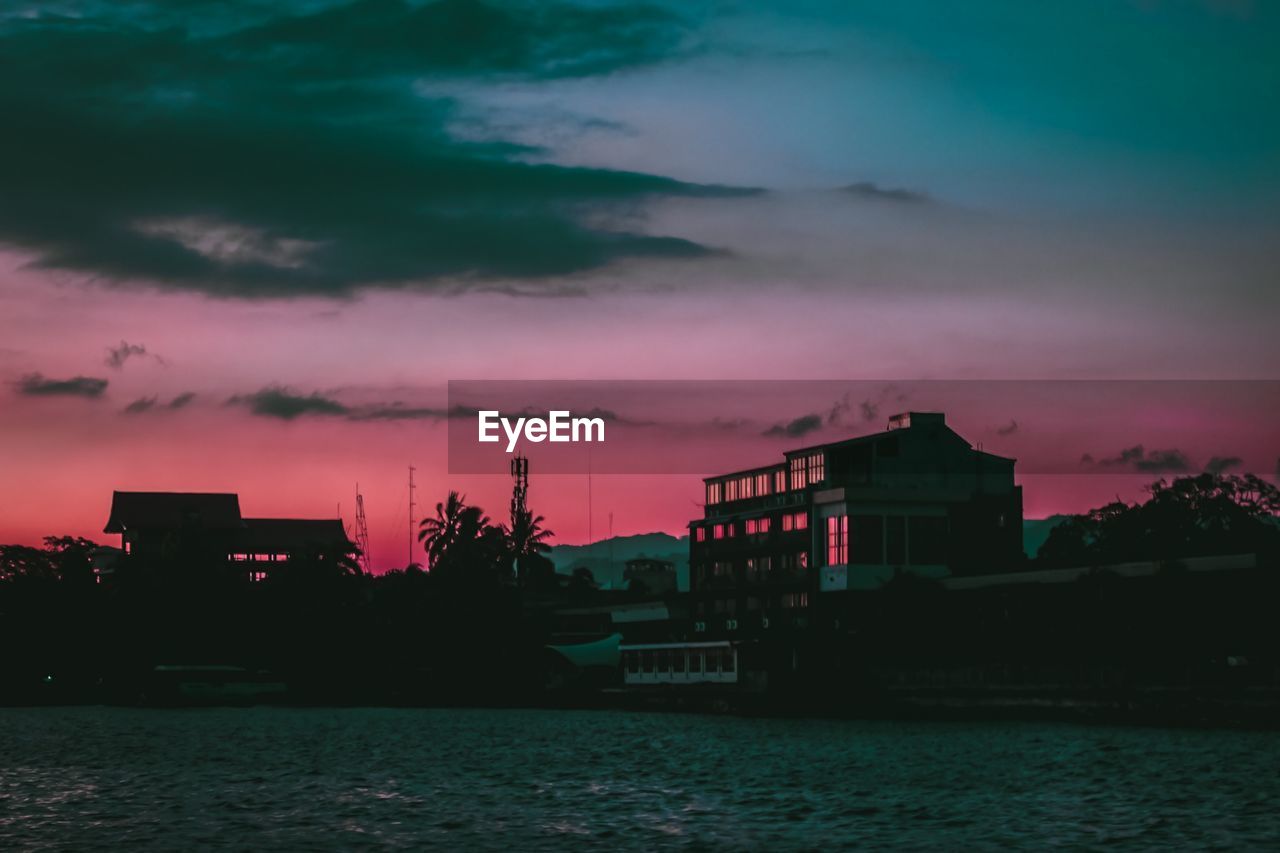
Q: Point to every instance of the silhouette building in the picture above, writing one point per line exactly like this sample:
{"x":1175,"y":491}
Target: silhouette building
{"x":209,"y":525}
{"x":850,"y":515}
{"x":650,"y":575}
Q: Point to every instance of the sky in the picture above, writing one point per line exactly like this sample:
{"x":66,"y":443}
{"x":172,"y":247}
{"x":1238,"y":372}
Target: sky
{"x":244,"y":246}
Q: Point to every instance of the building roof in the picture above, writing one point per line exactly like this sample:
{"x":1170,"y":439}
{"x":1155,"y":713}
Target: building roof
{"x":898,"y":423}
{"x":133,"y":510}
{"x":288,"y":535}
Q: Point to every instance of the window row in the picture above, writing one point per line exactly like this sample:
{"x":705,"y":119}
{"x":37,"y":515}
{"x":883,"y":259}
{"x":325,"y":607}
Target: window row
{"x":808,"y":470}
{"x":894,"y":540}
{"x":694,"y":661}
{"x":755,"y":569}
{"x":754,"y":604}
{"x":747,"y":486}
{"x":752,"y":526}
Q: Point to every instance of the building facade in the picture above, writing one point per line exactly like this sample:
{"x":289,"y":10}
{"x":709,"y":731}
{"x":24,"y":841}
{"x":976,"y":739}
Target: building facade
{"x":915,"y":499}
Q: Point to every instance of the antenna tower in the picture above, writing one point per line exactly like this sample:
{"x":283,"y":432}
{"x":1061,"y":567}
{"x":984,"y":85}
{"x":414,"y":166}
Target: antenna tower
{"x":362,"y":531}
{"x":412,"y":506}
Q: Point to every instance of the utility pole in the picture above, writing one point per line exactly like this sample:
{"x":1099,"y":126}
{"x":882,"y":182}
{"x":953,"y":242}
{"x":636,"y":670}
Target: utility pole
{"x":412,"y":506}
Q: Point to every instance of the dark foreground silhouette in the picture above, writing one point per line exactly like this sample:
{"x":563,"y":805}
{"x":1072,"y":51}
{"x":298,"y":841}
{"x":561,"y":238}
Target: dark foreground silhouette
{"x":1177,"y":642}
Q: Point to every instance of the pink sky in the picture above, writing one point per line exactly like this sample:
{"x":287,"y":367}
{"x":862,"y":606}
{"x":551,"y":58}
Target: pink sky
{"x":62,"y":456}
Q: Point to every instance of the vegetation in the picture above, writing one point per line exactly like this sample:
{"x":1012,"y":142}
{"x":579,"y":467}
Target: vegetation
{"x":1195,"y":516}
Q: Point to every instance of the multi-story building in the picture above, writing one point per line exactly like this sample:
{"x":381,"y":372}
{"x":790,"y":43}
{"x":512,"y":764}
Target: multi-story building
{"x":849,"y":515}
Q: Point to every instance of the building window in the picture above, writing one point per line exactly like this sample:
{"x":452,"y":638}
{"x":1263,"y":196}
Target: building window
{"x":895,"y":540}
{"x":780,"y":481}
{"x":695,"y":663}
{"x":726,"y":660}
{"x":801,"y":521}
{"x":728,"y":529}
{"x":837,"y":540}
{"x":757,"y":525}
{"x":816,"y":463}
{"x":633,"y":661}
{"x":717,"y":532}
{"x":715,"y":493}
{"x":646,"y":661}
{"x":798,"y":471}
{"x":700,"y":534}
{"x":866,"y":545}
{"x":677,"y":662}
{"x":795,"y":600}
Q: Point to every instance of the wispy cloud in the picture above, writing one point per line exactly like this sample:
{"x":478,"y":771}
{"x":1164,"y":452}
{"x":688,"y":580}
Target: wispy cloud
{"x":1138,"y":458}
{"x":140,"y":405}
{"x":870,"y":190}
{"x":118,"y":355}
{"x":37,"y":385}
{"x":796,"y":427}
{"x":1222,"y":464}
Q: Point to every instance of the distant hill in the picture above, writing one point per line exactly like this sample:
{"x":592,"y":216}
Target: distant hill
{"x":1035,"y":531}
{"x":607,"y":557}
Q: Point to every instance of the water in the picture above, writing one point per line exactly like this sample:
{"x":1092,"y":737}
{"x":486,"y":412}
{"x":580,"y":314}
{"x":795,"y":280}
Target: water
{"x":281,"y":778}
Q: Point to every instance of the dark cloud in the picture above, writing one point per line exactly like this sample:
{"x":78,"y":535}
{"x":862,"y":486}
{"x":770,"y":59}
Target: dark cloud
{"x":1008,"y":429}
{"x":1222,"y":464}
{"x":36,"y":385}
{"x":398,"y":412}
{"x":282,"y":403}
{"x":117,"y":356}
{"x":868,"y":410}
{"x":802,"y":425}
{"x":870,"y":190}
{"x":1164,"y":462}
{"x":300,"y":155}
{"x":140,"y":405}
{"x":279,"y":402}
{"x":153,"y":404}
{"x":1140,"y":459}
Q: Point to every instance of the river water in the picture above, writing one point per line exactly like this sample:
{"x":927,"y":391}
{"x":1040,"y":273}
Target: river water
{"x":516,"y":780}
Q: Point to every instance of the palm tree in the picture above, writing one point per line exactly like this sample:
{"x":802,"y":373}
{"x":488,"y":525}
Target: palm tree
{"x":527,"y":541}
{"x":461,"y":537}
{"x":438,"y":534}
{"x":527,"y":536}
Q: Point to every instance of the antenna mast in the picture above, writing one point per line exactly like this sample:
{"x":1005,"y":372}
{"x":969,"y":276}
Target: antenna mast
{"x":519,"y":501}
{"x":412,"y":506}
{"x":362,"y":531}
